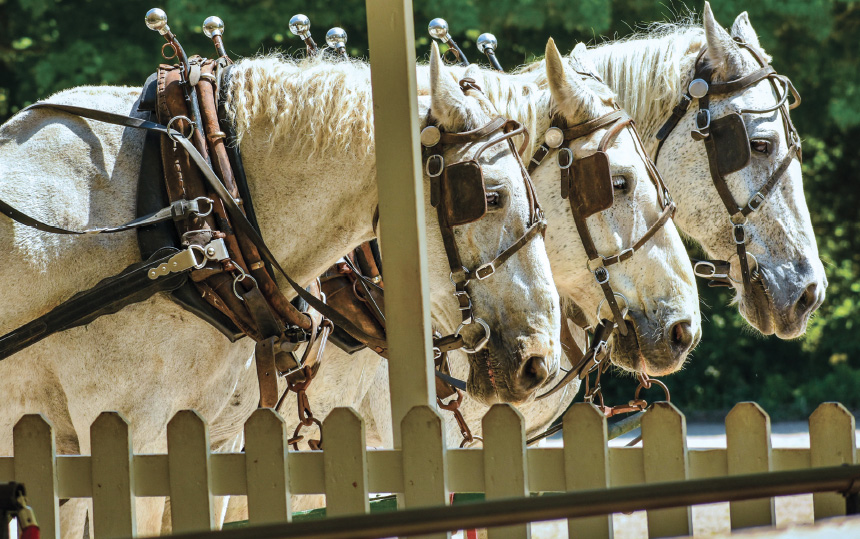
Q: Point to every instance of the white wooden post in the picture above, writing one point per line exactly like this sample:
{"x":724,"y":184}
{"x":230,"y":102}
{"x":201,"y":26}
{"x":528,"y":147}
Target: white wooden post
{"x":35,"y":450}
{"x":345,"y":463}
{"x":266,"y":472}
{"x":831,"y":443}
{"x":586,"y":464}
{"x":664,"y":454}
{"x":424,"y":461}
{"x":112,"y":477}
{"x":749,"y":451}
{"x":505,"y":463}
{"x":190,"y":473}
{"x":401,"y":205}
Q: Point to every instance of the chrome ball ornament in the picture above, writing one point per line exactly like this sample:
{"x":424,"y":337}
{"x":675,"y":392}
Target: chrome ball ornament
{"x":300,"y":25}
{"x":438,"y":29}
{"x":156,"y":19}
{"x":486,"y":41}
{"x":336,"y":37}
{"x":213,"y":26}
{"x":554,"y":137}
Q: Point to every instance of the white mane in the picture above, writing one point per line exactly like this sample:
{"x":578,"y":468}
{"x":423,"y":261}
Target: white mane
{"x":650,"y":61}
{"x":314,"y":104}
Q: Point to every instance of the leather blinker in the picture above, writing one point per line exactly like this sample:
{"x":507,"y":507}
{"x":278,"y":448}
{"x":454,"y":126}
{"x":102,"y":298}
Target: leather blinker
{"x":590,"y":188}
{"x":463,"y":193}
{"x":732,"y":143}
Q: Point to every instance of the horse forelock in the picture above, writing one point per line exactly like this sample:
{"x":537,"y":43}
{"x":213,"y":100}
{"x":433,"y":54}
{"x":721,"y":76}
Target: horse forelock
{"x":310,"y":106}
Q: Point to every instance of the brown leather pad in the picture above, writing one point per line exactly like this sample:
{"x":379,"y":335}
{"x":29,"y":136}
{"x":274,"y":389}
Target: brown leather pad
{"x":465,"y":199}
{"x":732,"y":143}
{"x":591,"y":184}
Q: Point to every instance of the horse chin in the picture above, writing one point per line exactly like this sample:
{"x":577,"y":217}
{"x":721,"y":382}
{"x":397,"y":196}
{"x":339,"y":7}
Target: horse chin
{"x":487,"y":384}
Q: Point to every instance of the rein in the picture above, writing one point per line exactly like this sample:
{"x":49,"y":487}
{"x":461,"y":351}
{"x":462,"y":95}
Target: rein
{"x":728,"y":149}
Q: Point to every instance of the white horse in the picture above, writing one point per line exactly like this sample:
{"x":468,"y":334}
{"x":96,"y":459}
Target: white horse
{"x":307,"y":139}
{"x":650,"y":73}
{"x":657,"y":281}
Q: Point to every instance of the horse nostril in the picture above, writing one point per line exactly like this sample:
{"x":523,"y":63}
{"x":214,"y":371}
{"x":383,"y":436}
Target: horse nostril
{"x":806,"y":300}
{"x":533,"y":373}
{"x":681,"y":336}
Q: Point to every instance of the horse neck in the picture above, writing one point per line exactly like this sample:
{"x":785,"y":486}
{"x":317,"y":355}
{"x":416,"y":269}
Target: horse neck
{"x":649,"y":75}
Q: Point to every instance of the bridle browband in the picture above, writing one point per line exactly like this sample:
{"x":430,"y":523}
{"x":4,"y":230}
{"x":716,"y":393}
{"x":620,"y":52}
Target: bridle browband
{"x":594,"y":170}
{"x":721,"y":163}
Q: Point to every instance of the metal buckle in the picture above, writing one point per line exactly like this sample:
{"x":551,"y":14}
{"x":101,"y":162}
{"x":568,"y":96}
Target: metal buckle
{"x":739,"y":233}
{"x":601,"y":275}
{"x":457,"y":295}
{"x":485,"y":271}
{"x":216,"y":250}
{"x":181,"y":261}
{"x":440,"y":160}
{"x":756,"y":201}
{"x":483,"y":342}
{"x":569,"y":158}
{"x":708,"y":264}
{"x":703,"y":119}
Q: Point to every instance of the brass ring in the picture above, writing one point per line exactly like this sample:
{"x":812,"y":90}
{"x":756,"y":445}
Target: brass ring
{"x":171,"y":57}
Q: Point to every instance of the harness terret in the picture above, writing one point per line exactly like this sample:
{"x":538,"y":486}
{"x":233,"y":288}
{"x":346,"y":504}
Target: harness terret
{"x":728,"y":147}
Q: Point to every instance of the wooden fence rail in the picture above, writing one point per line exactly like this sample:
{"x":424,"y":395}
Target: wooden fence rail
{"x":423,"y":470}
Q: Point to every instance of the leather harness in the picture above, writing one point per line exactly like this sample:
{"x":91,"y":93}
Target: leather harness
{"x":728,"y":148}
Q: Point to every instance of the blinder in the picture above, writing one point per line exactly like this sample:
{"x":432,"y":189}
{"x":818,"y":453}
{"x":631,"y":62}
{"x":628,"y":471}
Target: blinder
{"x":463,"y":193}
{"x":732,"y":143}
{"x":590,"y":190}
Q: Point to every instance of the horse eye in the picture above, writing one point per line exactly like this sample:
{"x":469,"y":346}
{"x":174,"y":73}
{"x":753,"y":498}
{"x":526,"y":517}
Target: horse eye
{"x":760,"y":146}
{"x":619,"y":182}
{"x":493,"y":200}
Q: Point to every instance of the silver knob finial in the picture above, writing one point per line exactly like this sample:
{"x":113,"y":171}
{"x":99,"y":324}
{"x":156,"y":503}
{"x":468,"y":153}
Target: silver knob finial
{"x":438,"y":29}
{"x":336,"y":37}
{"x":213,"y":26}
{"x":300,"y":26}
{"x":156,"y":19}
{"x":486,"y":41}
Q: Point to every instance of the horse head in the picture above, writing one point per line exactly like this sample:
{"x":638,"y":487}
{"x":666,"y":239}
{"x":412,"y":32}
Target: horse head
{"x":516,"y":348}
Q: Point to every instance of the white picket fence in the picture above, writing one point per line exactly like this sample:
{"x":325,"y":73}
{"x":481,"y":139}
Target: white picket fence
{"x":423,"y":470}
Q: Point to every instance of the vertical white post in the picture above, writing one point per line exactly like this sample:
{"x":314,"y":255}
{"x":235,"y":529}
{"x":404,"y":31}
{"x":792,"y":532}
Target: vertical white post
{"x":401,"y":205}
{"x":831,"y":443}
{"x":505,"y":463}
{"x":268,"y":484}
{"x":345,"y":463}
{"x":664,"y":454}
{"x":36,"y":466}
{"x":749,"y":451}
{"x":586,"y":464}
{"x":112,"y":477}
{"x":191,"y":502}
{"x":424,"y":461}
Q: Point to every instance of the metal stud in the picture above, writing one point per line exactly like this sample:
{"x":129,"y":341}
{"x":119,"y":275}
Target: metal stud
{"x":698,"y":88}
{"x":430,"y":136}
{"x":554,"y":137}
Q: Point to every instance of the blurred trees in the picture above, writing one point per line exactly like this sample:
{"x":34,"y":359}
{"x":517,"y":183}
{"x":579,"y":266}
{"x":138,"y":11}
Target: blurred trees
{"x":49,"y":45}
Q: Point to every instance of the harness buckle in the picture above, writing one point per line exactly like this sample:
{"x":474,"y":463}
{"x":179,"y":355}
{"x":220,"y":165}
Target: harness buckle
{"x":703,"y":125}
{"x":601,"y":275}
{"x":708,"y":265}
{"x":756,"y":201}
{"x":739,"y":233}
{"x":485,"y":271}
{"x":437,"y":158}
{"x":569,"y":153}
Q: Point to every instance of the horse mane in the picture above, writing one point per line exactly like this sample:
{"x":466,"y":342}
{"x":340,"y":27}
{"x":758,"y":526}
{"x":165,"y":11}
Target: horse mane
{"x":312,"y":105}
{"x":651,"y":60}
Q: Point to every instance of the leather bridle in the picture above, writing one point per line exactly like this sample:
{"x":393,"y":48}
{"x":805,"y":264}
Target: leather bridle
{"x":722,"y":162}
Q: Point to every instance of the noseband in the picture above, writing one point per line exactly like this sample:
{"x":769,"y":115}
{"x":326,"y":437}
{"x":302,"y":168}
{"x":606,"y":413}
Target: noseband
{"x":458,"y":193}
{"x":587,"y":184}
{"x":728,"y":148}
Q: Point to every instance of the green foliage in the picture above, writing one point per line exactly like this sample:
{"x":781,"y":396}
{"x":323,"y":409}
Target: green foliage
{"x":49,"y":45}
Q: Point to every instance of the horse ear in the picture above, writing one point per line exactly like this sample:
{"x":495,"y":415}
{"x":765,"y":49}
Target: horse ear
{"x":742,"y":29}
{"x":723,"y":54}
{"x":572,"y":98}
{"x":446,"y":98}
{"x":579,"y":55}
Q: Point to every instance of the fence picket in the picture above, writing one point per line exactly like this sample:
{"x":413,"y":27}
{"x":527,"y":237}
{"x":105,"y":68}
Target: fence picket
{"x":266,"y":472}
{"x":586,"y":464}
{"x":190,"y":473}
{"x":505,"y":465}
{"x":831,"y":443}
{"x":112,"y":477}
{"x":424,"y":461}
{"x":345,"y":463}
{"x":749,"y":451}
{"x":35,"y":451}
{"x":664,"y":453}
